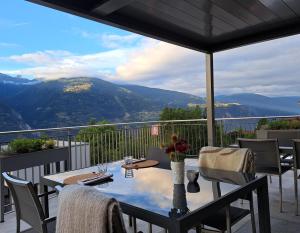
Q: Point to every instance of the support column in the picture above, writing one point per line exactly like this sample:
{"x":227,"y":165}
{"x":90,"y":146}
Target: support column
{"x":210,"y":101}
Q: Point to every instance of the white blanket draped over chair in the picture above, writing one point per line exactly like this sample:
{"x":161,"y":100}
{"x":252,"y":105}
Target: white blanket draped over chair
{"x":227,"y":159}
{"x":85,"y":209}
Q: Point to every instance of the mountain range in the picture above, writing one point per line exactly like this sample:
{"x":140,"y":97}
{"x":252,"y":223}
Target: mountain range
{"x":75,"y":101}
{"x":286,"y":104}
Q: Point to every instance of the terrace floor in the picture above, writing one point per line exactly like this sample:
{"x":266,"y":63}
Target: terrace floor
{"x":285,"y":222}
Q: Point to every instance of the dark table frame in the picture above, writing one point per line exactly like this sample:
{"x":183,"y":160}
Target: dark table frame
{"x":193,"y":219}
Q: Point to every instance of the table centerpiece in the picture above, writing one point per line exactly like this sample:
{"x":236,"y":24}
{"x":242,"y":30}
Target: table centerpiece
{"x":177,"y":153}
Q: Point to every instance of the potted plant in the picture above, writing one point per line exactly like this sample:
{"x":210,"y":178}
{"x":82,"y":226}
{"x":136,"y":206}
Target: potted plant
{"x":23,"y":153}
{"x":26,"y":145}
{"x":177,"y":152}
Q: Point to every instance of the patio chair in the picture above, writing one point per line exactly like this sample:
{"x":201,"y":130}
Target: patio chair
{"x":158,"y":154}
{"x":28,"y":207}
{"x":267,"y":158}
{"x":225,"y":218}
{"x":296,"y":166}
{"x":285,"y":137}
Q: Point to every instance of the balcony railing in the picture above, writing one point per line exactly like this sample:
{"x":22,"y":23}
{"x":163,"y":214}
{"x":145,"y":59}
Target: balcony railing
{"x":93,"y":144}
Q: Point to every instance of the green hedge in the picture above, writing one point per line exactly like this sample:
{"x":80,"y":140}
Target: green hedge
{"x":25,"y":145}
{"x":280,"y":124}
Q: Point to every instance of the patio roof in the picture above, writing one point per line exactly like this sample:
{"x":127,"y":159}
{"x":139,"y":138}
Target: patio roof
{"x":203,"y":25}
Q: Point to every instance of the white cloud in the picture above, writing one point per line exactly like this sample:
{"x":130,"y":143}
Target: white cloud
{"x":5,"y":23}
{"x":41,"y":57}
{"x":117,"y":41}
{"x":58,"y":64}
{"x":163,"y":65}
{"x":270,"y":68}
{"x":111,"y":41}
{"x":8,"y":45}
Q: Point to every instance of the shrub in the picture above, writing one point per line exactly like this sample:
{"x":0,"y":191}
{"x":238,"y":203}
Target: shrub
{"x":49,"y":144}
{"x":26,"y":145}
{"x":294,"y":124}
{"x":284,"y":124}
{"x":262,"y":123}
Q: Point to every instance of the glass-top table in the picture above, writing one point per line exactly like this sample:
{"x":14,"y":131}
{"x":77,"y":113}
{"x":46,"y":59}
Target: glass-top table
{"x":150,"y":194}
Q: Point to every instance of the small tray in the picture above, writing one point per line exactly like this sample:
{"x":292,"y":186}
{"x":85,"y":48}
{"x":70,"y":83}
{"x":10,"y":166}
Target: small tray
{"x":141,"y":164}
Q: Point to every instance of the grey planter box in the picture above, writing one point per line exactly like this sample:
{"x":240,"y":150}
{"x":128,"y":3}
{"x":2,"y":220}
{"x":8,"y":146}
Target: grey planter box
{"x":284,"y":136}
{"x":15,"y":162}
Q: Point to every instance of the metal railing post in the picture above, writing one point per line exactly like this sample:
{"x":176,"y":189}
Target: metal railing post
{"x":221,"y":133}
{"x":70,"y":150}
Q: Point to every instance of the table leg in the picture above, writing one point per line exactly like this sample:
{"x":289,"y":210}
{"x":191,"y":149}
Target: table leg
{"x":2,"y":200}
{"x":130,"y":220}
{"x":134,"y":225}
{"x":44,"y":189}
{"x":198,"y":229}
{"x":263,"y":208}
{"x":216,"y":189}
{"x":45,"y":199}
{"x":149,"y":228}
{"x":176,"y":228}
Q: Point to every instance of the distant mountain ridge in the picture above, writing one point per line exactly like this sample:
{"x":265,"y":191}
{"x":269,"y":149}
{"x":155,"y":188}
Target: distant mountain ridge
{"x":10,"y":119}
{"x":74,"y":101}
{"x":289,"y":104}
{"x":4,"y":78}
{"x":165,"y":96}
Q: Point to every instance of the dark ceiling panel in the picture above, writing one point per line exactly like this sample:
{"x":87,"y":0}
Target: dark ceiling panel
{"x":202,"y":25}
{"x":86,"y":5}
{"x":263,"y":33}
{"x":293,"y":5}
{"x":177,"y":18}
{"x":279,"y":8}
{"x":111,"y":6}
{"x":202,"y":16}
{"x":164,"y":11}
{"x":217,"y":12}
{"x":258,"y":9}
{"x":206,"y":23}
{"x":234,"y":8}
{"x":160,"y":30}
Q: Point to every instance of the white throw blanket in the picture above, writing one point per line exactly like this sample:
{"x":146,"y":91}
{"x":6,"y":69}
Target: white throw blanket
{"x":83,"y":209}
{"x":227,"y":159}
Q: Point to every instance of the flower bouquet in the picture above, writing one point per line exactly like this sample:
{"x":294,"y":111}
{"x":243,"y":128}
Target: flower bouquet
{"x":177,"y":152}
{"x":177,"y":149}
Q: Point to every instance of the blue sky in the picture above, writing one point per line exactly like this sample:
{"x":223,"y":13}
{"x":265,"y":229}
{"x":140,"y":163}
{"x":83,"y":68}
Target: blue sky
{"x":36,"y":28}
{"x":38,"y":42}
{"x":27,"y":28}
